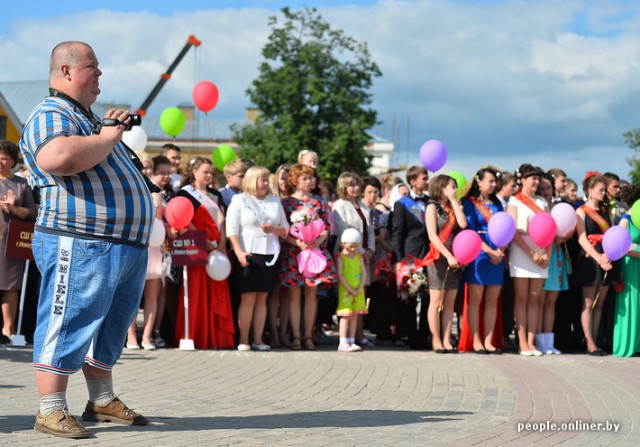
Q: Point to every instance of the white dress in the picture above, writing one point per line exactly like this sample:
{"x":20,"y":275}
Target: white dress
{"x":520,"y":264}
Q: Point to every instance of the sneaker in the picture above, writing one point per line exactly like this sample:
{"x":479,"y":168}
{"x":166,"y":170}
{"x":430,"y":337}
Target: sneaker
{"x":344,"y":348}
{"x":355,"y":348}
{"x":60,"y":423}
{"x":243,"y":347}
{"x":260,"y":347}
{"x":115,"y":411}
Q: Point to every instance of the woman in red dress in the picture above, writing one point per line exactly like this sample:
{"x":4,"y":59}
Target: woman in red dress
{"x":210,"y":315}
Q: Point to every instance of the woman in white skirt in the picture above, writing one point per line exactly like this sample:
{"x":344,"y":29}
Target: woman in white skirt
{"x":528,"y":263}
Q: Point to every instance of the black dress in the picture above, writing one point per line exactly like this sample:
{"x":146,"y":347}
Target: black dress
{"x":586,"y":272}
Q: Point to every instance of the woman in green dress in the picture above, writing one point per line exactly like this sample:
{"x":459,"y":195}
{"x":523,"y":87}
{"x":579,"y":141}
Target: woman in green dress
{"x":626,"y":330}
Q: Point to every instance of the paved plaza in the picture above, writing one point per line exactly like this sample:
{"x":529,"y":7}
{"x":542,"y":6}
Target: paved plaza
{"x":383,"y":396}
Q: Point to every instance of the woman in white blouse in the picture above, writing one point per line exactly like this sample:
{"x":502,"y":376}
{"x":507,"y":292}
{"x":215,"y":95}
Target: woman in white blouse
{"x":255,"y":222}
{"x":350,"y":212}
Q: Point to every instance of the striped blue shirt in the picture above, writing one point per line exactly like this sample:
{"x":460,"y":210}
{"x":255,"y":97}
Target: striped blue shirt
{"x":109,"y":201}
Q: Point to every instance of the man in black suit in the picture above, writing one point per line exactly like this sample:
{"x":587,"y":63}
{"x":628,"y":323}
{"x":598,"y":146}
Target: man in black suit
{"x":409,"y":237}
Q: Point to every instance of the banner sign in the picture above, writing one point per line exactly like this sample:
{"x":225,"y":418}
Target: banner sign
{"x":189,"y":248}
{"x":19,"y":237}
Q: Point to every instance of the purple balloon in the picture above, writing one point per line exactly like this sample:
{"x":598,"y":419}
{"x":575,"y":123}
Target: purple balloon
{"x":433,"y":155}
{"x":616,"y":242}
{"x":501,"y":229}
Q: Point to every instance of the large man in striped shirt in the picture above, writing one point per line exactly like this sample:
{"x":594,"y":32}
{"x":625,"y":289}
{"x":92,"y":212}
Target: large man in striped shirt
{"x":89,"y":244}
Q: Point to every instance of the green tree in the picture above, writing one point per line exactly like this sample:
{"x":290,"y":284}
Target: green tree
{"x":312,"y":93}
{"x":632,"y":139}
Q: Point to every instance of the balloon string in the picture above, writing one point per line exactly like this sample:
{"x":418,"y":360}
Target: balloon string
{"x":595,"y":301}
{"x":444,"y":282}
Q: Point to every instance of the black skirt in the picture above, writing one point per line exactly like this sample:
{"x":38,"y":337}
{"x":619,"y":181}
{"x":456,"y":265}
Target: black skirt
{"x":257,"y":276}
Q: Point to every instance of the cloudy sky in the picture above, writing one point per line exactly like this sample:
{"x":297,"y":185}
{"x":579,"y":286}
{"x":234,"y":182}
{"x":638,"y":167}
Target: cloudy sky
{"x":553,"y":83}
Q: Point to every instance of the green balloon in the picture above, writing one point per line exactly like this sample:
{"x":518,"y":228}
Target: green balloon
{"x":172,"y":121}
{"x":635,"y":213}
{"x":222,"y":155}
{"x":460,"y":181}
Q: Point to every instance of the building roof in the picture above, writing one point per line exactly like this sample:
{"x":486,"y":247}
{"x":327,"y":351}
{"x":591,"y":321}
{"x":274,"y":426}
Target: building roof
{"x":23,"y":96}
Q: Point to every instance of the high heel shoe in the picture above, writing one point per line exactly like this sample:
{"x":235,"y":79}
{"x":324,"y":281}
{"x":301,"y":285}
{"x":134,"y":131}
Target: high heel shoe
{"x":438,"y":350}
{"x":296,"y":345}
{"x":157,"y":339}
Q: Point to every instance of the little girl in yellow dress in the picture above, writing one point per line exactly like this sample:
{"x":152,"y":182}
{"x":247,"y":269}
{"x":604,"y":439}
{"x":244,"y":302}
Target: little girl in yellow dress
{"x":351,"y":281}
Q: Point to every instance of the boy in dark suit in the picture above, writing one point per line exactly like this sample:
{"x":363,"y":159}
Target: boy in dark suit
{"x":409,"y":237}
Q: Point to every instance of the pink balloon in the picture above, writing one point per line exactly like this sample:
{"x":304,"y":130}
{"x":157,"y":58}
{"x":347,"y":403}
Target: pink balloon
{"x":565,"y":217}
{"x":205,"y":96}
{"x":179,"y":212}
{"x":433,"y":155}
{"x":542,"y":229}
{"x":466,"y":246}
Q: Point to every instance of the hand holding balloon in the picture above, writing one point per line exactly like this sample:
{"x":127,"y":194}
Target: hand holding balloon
{"x":616,"y":242}
{"x":466,"y":246}
{"x":179,"y":212}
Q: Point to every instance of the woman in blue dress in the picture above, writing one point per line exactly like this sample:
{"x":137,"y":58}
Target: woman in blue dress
{"x":485,"y":275}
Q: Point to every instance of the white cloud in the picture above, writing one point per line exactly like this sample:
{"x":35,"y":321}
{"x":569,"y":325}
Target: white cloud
{"x":513,"y":81}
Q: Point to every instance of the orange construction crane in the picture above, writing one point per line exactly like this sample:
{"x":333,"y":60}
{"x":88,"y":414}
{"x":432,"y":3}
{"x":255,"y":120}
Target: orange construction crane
{"x":191,"y":42}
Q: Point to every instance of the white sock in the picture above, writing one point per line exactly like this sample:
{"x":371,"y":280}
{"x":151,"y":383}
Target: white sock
{"x":101,"y":391}
{"x":344,"y":341}
{"x":52,"y":402}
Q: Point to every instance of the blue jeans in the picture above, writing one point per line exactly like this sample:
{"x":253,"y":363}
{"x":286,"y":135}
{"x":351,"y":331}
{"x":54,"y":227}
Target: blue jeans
{"x":90,"y":293}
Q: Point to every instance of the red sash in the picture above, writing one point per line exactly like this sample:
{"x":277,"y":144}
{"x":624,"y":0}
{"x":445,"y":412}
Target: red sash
{"x":529,"y":202}
{"x":443,"y":235}
{"x":482,"y":208}
{"x":599,"y":220}
{"x":596,"y":217}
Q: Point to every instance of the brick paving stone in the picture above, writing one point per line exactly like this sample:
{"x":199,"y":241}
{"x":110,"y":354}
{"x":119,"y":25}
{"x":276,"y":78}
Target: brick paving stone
{"x":377,"y":397}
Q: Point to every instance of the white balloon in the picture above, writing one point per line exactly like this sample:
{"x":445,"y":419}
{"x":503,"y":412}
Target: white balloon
{"x":156,"y":239}
{"x":218,"y":266}
{"x":136,"y":138}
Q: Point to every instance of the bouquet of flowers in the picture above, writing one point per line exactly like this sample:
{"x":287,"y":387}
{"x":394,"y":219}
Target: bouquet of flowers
{"x":306,"y":226}
{"x":304,"y":215}
{"x":383,"y":270}
{"x":410,"y":277}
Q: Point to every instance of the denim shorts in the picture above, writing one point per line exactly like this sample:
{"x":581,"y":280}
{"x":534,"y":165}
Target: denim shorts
{"x":90,"y":293}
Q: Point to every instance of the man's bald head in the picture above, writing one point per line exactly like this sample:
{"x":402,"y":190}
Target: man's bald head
{"x":65,"y":53}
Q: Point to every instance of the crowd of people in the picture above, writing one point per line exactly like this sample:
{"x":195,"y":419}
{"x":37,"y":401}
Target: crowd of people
{"x":375,"y":235}
{"x":381,"y":260}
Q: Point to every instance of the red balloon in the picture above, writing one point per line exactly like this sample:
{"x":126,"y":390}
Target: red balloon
{"x":179,"y":212}
{"x":542,"y":229}
{"x":205,"y":96}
